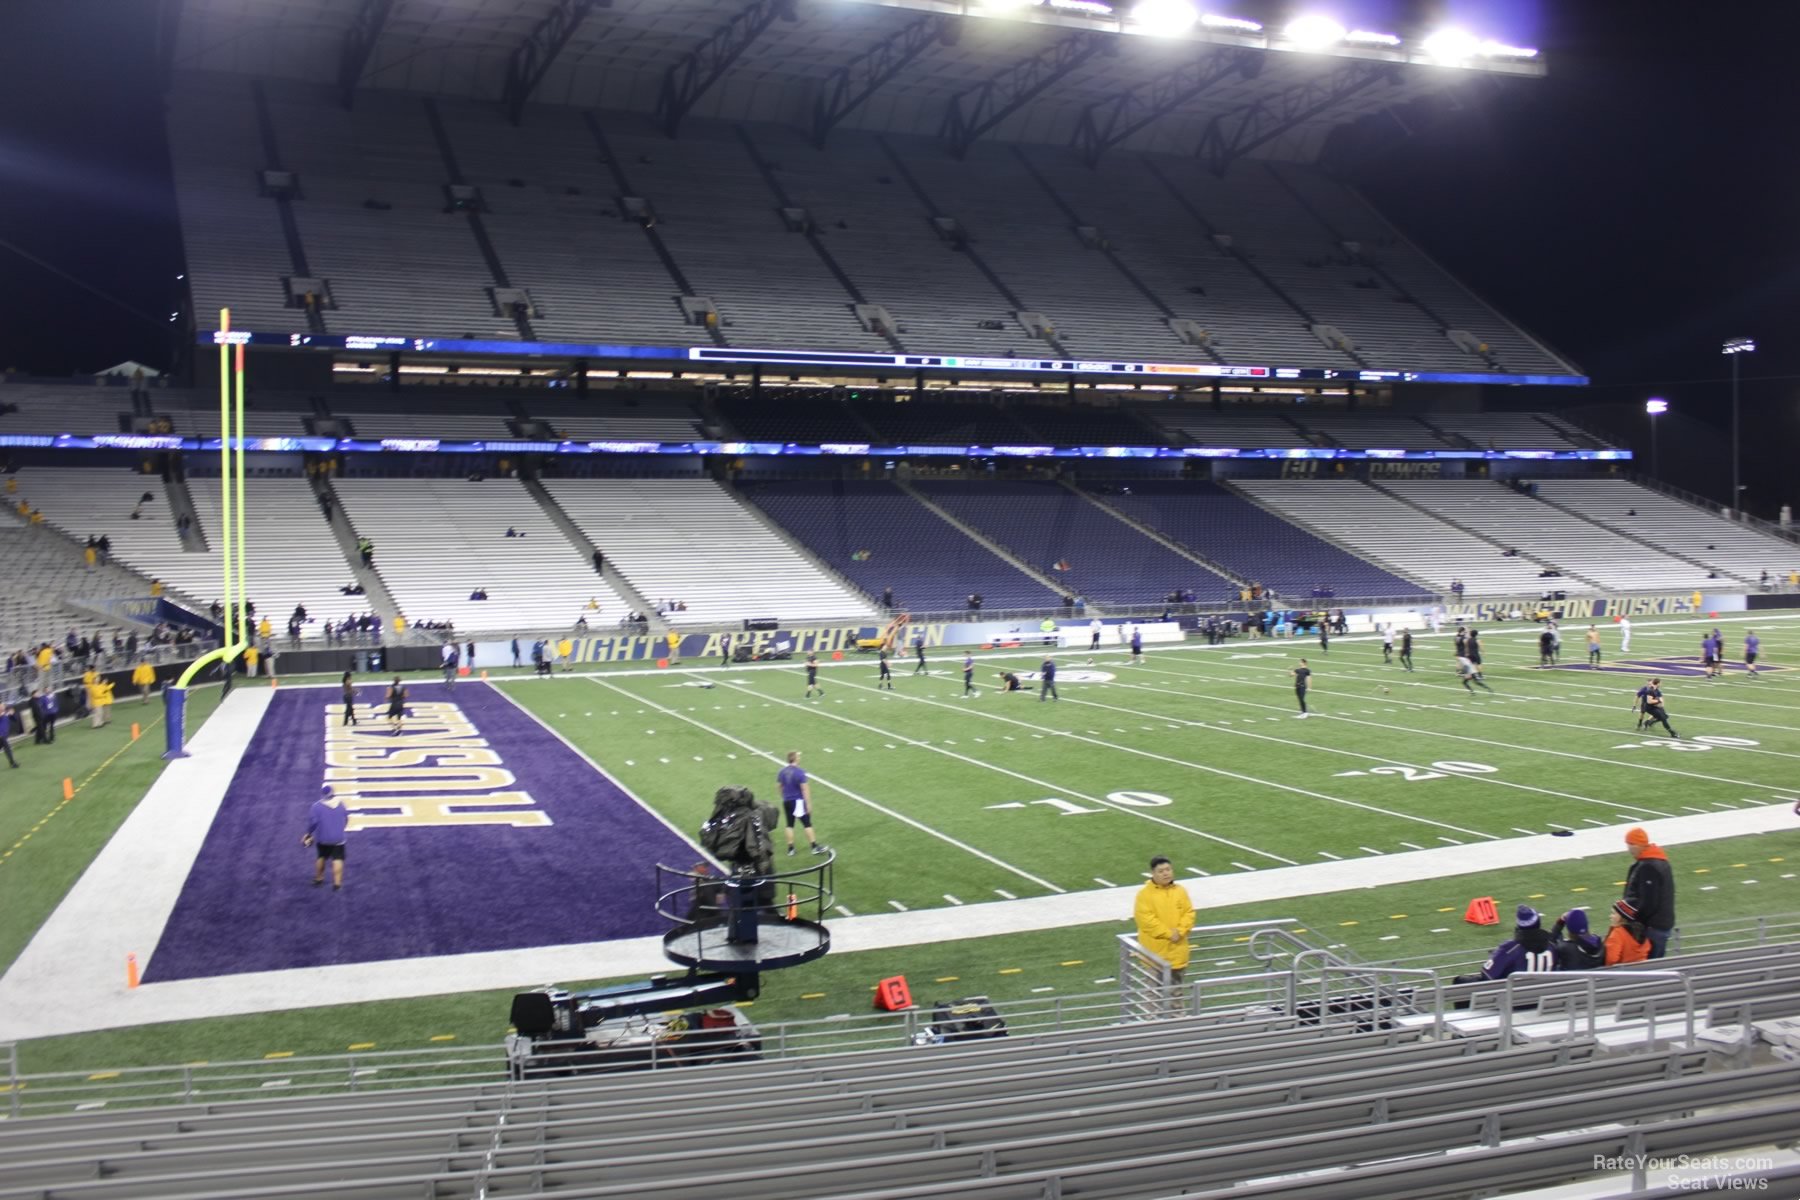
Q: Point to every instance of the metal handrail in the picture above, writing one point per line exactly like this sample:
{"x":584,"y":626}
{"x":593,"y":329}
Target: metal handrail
{"x":1592,"y":980}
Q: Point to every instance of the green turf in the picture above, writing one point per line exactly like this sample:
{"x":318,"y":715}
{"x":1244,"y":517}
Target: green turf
{"x":49,"y":842}
{"x":1195,"y":754}
{"x":907,"y":784}
{"x":1070,"y":961}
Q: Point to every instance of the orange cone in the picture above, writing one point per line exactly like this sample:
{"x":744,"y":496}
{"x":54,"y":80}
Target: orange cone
{"x":1482,"y":912}
{"x":135,"y":732}
{"x":131,"y":971}
{"x":662,"y":662}
{"x":68,"y":789}
{"x":837,"y":656}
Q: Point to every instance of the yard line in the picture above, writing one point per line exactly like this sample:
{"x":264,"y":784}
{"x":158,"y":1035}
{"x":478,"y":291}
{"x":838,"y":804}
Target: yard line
{"x":1459,"y":737}
{"x":1524,"y":787}
{"x":607,"y":775}
{"x":1371,"y":849}
{"x":1182,"y":762}
{"x":1106,"y":883}
{"x":863,"y":800}
{"x":1004,"y":894}
{"x":1330,"y":855}
{"x":896,"y":906}
{"x":1036,"y":782}
{"x":952,"y":899}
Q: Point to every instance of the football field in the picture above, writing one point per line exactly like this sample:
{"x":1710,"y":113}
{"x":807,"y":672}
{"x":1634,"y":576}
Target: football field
{"x":934,"y":798}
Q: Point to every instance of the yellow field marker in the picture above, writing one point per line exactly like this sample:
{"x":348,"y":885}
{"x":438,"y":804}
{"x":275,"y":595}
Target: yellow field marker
{"x":1450,"y":908}
{"x":1073,"y":962}
{"x":99,"y":1075}
{"x":948,"y":979}
{"x":1011,"y":970}
{"x":443,"y":1037}
{"x":1398,"y":917}
{"x":279,"y":1054}
{"x":1579,"y":889}
{"x":1343,"y":923}
{"x":812,"y":995}
{"x":362,"y":1045}
{"x":1703,"y":870}
{"x":1535,"y":896}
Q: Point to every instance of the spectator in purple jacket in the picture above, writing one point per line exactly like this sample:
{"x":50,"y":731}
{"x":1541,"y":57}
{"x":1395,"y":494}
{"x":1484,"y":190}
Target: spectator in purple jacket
{"x":1530,"y":949}
{"x":329,"y":823}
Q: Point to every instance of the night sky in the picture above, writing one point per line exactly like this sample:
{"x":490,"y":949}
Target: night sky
{"x":1634,"y":209}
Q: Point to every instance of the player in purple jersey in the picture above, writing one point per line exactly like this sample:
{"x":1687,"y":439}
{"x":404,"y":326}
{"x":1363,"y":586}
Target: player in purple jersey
{"x":1752,"y":647}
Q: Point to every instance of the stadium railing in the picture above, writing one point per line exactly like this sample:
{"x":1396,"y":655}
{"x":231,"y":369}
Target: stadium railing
{"x":1293,"y":980}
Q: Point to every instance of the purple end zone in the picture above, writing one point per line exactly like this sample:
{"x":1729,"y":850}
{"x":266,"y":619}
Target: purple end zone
{"x":249,"y":905}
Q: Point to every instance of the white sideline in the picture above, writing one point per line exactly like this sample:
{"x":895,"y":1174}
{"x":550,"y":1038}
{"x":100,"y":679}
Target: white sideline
{"x":71,"y":978}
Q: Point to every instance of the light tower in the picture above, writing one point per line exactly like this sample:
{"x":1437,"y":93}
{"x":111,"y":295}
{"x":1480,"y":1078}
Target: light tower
{"x":1655,"y":407}
{"x":1734,"y":349}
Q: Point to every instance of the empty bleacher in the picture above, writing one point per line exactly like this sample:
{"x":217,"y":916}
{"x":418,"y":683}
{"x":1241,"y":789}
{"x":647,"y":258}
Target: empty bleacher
{"x":1724,"y":545}
{"x":43,"y":568}
{"x":64,"y":408}
{"x":1371,"y":431}
{"x":1251,"y":541}
{"x":438,"y":540}
{"x":1247,"y":1101}
{"x":1107,"y":560}
{"x":421,"y":415}
{"x":616,"y":417}
{"x":690,"y":540}
{"x":930,"y":564}
{"x":1202,"y":425}
{"x":1506,"y":431}
{"x":1574,"y":546}
{"x":195,"y":412}
{"x":1380,"y":528}
{"x":551,"y":209}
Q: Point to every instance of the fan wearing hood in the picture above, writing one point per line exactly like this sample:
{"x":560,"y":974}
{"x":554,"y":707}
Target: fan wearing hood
{"x":1576,"y":949}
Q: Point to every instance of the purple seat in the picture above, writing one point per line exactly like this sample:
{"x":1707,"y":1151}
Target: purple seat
{"x":1252,"y":541}
{"x":931,"y":565}
{"x":1106,"y":560}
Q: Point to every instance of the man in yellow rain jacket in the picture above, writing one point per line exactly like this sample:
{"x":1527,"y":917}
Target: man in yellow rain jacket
{"x":144,"y":675}
{"x":99,"y":698}
{"x":1164,"y":915}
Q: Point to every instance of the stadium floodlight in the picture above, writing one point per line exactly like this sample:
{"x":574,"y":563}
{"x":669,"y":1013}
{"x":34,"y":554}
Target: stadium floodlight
{"x":1168,"y":18}
{"x":1451,"y":45}
{"x":1494,"y":49}
{"x":1735,"y":349}
{"x":1313,"y":32}
{"x":1656,"y":406}
{"x":1368,"y":37}
{"x":1740,"y":346}
{"x":1232,"y":24}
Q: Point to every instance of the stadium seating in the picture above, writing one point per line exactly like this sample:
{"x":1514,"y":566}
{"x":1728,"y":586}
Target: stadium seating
{"x":195,"y":412}
{"x":1251,"y":541}
{"x":1202,"y":425}
{"x":1724,"y":545}
{"x":615,"y":417}
{"x":1343,"y":210}
{"x":65,"y":408}
{"x":690,"y":540}
{"x":930,"y":565}
{"x":43,"y":568}
{"x":1508,"y":431}
{"x":1398,"y":536}
{"x":438,"y":540}
{"x":1370,"y":431}
{"x":550,"y":211}
{"x":1574,"y":546}
{"x":1245,"y":1103}
{"x":1043,"y":524}
{"x":810,"y":416}
{"x":421,"y":415}
{"x":294,"y":559}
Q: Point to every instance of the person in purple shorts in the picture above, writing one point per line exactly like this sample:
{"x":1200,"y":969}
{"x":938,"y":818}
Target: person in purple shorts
{"x":326,"y":830}
{"x":1709,"y":655}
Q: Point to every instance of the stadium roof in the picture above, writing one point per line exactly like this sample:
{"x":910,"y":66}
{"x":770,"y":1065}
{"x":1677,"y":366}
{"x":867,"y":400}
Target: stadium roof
{"x":1013,"y":70}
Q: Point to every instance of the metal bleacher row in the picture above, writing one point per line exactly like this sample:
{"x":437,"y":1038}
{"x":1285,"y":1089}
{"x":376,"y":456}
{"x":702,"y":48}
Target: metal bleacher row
{"x":1239,"y":1101}
{"x":1255,"y":259}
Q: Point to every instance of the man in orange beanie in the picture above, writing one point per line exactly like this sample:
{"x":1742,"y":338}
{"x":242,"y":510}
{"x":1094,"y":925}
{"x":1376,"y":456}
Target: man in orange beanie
{"x":1650,"y":889}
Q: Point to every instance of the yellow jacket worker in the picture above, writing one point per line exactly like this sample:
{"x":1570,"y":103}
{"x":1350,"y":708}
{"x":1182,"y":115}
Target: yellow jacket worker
{"x":45,"y":656}
{"x":252,"y":656}
{"x":144,"y":676}
{"x":1164,"y":915}
{"x":99,"y":698}
{"x":264,"y":630}
{"x":564,"y":649}
{"x":674,"y":640}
